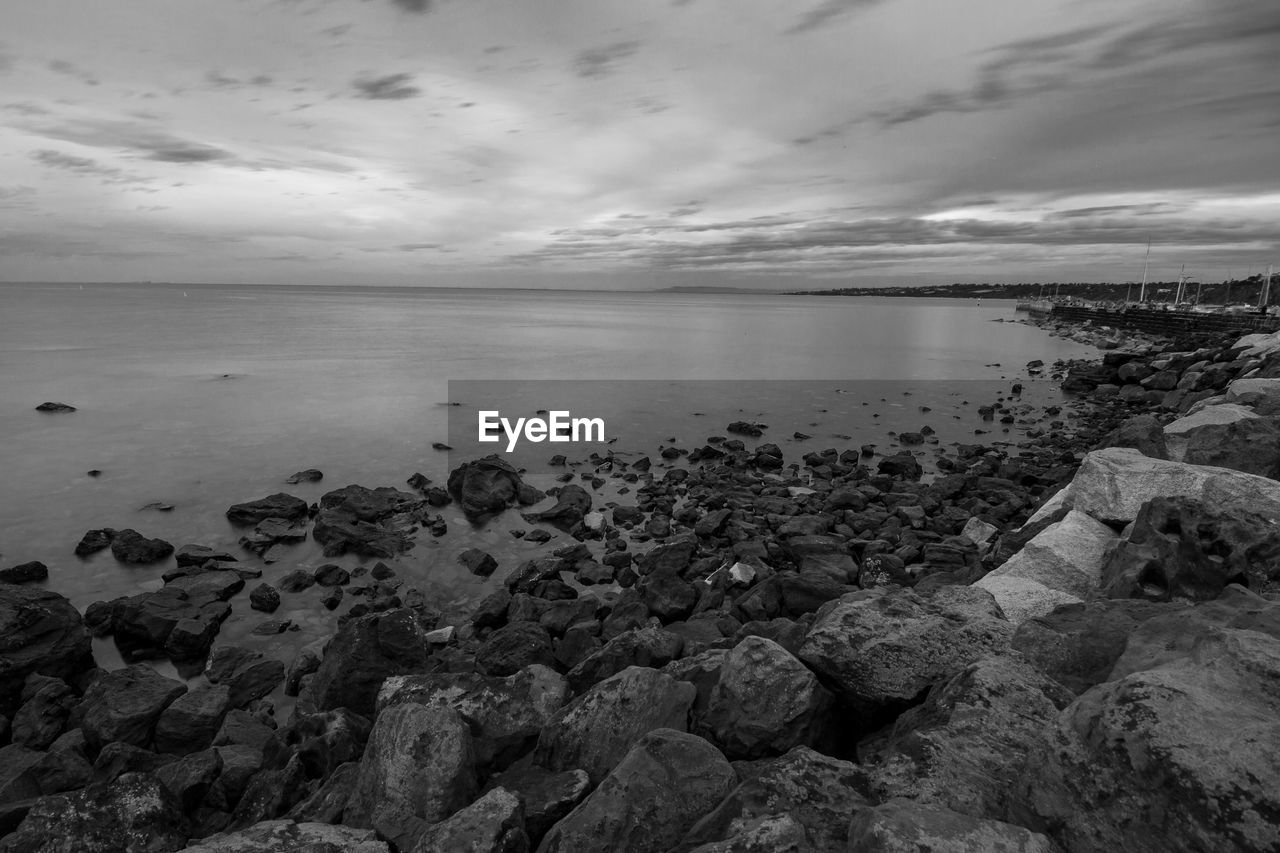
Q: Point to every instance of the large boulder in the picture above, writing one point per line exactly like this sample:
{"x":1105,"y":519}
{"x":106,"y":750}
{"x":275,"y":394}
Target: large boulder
{"x":765,"y":702}
{"x":369,"y":522}
{"x":903,"y":826}
{"x":133,"y":813}
{"x":596,"y":730}
{"x":1065,"y":557}
{"x":46,"y":705}
{"x":484,"y":486}
{"x":1178,"y":752}
{"x":649,"y":646}
{"x":655,"y":794}
{"x":192,"y":720}
{"x":1182,"y":548}
{"x":130,"y":546}
{"x":1112,"y":485}
{"x":125,"y":704}
{"x":492,"y":824}
{"x":819,"y":792}
{"x":247,"y":674}
{"x":964,"y":746}
{"x":572,"y":504}
{"x":1262,"y":396}
{"x":1143,"y":433}
{"x":363,"y":654}
{"x":505,"y":714}
{"x":418,"y":768}
{"x":512,"y":647}
{"x":279,"y":505}
{"x":546,"y":795}
{"x":880,"y":649}
{"x":1226,"y":436}
{"x":40,"y":632}
{"x":287,"y":836}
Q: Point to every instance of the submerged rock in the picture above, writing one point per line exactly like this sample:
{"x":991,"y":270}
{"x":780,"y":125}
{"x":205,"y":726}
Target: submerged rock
{"x":279,"y":505}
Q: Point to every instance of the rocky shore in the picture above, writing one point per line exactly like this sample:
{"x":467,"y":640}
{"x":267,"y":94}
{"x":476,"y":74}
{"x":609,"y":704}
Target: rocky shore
{"x":1068,"y":645}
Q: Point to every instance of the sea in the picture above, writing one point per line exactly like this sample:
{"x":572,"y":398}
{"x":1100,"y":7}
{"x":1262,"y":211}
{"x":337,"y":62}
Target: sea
{"x":195,"y":397}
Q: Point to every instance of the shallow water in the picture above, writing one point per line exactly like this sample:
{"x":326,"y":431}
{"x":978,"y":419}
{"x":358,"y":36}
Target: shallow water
{"x":201,"y":397}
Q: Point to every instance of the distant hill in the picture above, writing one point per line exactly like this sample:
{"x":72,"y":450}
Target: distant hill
{"x":1159,"y":291}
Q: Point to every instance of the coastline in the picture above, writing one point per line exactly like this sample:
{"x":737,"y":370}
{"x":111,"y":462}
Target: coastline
{"x":743,"y":595}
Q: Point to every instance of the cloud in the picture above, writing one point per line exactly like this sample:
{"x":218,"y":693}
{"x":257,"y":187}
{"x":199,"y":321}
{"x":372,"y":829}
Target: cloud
{"x":416,"y":247}
{"x":79,"y":165}
{"x":132,"y":136}
{"x":418,"y":6}
{"x":26,"y":108}
{"x":221,"y":81}
{"x":68,"y":69}
{"x":602,"y":61}
{"x":825,"y":12}
{"x":392,"y":87}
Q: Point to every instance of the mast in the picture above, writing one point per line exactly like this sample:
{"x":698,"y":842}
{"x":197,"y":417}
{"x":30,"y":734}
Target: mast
{"x":1265,"y":297}
{"x":1142,"y":294}
{"x":1182,"y":280}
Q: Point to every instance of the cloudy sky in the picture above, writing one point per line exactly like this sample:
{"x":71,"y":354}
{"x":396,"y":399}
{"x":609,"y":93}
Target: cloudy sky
{"x":638,"y":143}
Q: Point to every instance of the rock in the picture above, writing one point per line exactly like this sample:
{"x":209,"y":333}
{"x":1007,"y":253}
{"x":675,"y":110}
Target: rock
{"x":765,"y":702}
{"x":220,"y":585}
{"x":1021,"y":599}
{"x":331,"y":574}
{"x":881,"y":649}
{"x":287,"y":836}
{"x":572,"y":504}
{"x":125,"y":704}
{"x":40,"y":632}
{"x":94,"y":541}
{"x":191,"y":721}
{"x":118,"y":758}
{"x":648,"y":647}
{"x":146,"y":625}
{"x":667,"y":595}
{"x":189,"y":778}
{"x":198,"y":555}
{"x":131,"y":813}
{"x":492,"y":824}
{"x":368,"y":522}
{"x":329,"y":801}
{"x":296,"y":581}
{"x":247,"y":674}
{"x":1133,"y":763}
{"x":1065,"y":557}
{"x":239,"y":727}
{"x":279,"y":505}
{"x":310,"y":475}
{"x":547,"y":796}
{"x":25,"y":573}
{"x":1112,"y":485}
{"x":484,"y":486}
{"x":1260,"y":395}
{"x":1181,"y":548}
{"x":903,"y":465}
{"x":659,"y":789}
{"x":419,"y":765}
{"x":978,"y":531}
{"x":1142,"y":433}
{"x":55,"y":408}
{"x":366,"y":651}
{"x":513,"y":647}
{"x":817,"y":791}
{"x":478,"y":562}
{"x":903,"y":826}
{"x":271,"y":532}
{"x":46,"y":705}
{"x":240,"y":762}
{"x":271,"y":792}
{"x":264,"y":597}
{"x":597,"y":729}
{"x":130,"y":546}
{"x":963,"y":747}
{"x":321,"y":742}
{"x":1226,"y":436}
{"x":505,"y":715}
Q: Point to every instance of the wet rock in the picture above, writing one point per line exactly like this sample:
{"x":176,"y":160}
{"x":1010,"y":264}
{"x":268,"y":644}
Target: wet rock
{"x":25,"y":573}
{"x":492,"y":824}
{"x":369,"y":522}
{"x":513,"y":647}
{"x":272,"y":532}
{"x":130,"y":546}
{"x":364,"y":653}
{"x":903,"y":826}
{"x":296,"y":581}
{"x":46,"y":705}
{"x":143,"y":624}
{"x":190,"y":777}
{"x":264,"y":597}
{"x":287,"y":836}
{"x":125,"y":704}
{"x":248,"y":674}
{"x":880,"y":649}
{"x":655,"y":794}
{"x":484,"y":486}
{"x":648,"y":647}
{"x":191,"y":721}
{"x":572,"y":504}
{"x":198,"y":555}
{"x":310,"y":475}
{"x":419,"y":766}
{"x":55,"y":408}
{"x":505,"y":715}
{"x":94,"y":541}
{"x":209,"y":585}
{"x":331,"y":574}
{"x":765,"y":702}
{"x":597,"y":729}
{"x":132,"y":813}
{"x":279,"y":505}
{"x":819,"y":792}
{"x":478,"y":562}
{"x":40,"y":632}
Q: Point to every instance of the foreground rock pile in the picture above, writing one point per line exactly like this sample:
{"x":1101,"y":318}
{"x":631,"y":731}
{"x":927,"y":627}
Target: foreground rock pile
{"x":1038,"y":650}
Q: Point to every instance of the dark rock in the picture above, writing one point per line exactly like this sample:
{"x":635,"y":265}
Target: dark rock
{"x":247,"y":674}
{"x":648,"y":647}
{"x":484,"y":486}
{"x":513,"y":647}
{"x":478,"y":562}
{"x":125,"y":704}
{"x":296,"y":581}
{"x":271,"y":532}
{"x":132,"y":813}
{"x":547,"y":795}
{"x":287,"y":836}
{"x":902,"y":825}
{"x":40,"y":632}
{"x":240,"y":728}
{"x":332,"y":599}
{"x":1143,"y":433}
{"x":492,"y":824}
{"x":279,"y":505}
{"x":25,"y":573}
{"x":270,"y":793}
{"x":310,"y":475}
{"x":55,"y":408}
{"x":198,"y":555}
{"x":331,"y":574}
{"x":46,"y":705}
{"x":94,"y":541}
{"x":365,"y":651}
{"x":190,"y":777}
{"x":572,"y":504}
{"x":903,"y":465}
{"x":192,"y":720}
{"x":368,"y":522}
{"x":264,"y":597}
{"x":117,"y":759}
{"x":130,"y":546}
{"x":320,"y":742}
{"x":667,"y":595}
{"x":208,"y":585}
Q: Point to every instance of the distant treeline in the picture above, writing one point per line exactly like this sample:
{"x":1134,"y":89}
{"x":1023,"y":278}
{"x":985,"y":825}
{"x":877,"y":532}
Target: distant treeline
{"x":1216,"y":293}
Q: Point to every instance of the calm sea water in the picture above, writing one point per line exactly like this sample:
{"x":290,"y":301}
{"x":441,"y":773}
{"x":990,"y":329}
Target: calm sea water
{"x":206,"y":396}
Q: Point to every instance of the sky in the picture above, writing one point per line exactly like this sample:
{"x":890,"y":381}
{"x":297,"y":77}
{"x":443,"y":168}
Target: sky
{"x":638,"y":144}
